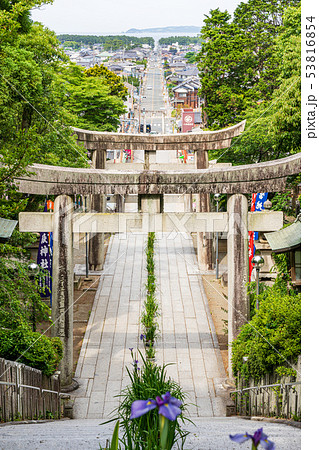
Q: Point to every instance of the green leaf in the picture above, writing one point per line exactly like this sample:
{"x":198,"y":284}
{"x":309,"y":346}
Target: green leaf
{"x":115,"y":437}
{"x":164,"y":432}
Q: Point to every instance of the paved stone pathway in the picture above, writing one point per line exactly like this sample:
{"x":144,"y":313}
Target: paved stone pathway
{"x":188,"y":339}
{"x":205,"y":434}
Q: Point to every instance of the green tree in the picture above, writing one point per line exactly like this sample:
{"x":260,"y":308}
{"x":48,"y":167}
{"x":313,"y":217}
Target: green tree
{"x":134,"y":81}
{"x":15,"y":15}
{"x":33,"y":128}
{"x":33,"y":123}
{"x":32,"y":119}
{"x":110,"y":42}
{"x":273,"y":113}
{"x":224,"y":69}
{"x":286,"y":98}
{"x":89,"y":100}
{"x":110,"y":79}
{"x":272,"y":338}
{"x":182,"y":40}
{"x":74,"y":45}
{"x":191,"y":57}
{"x":20,"y":307}
{"x":234,"y":56}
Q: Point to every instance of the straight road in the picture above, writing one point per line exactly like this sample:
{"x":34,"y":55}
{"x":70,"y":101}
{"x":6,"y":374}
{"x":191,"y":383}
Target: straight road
{"x":153,"y":101}
{"x":188,"y":340}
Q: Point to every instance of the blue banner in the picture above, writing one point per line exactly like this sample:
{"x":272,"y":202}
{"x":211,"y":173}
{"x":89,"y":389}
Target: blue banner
{"x":260,"y":200}
{"x":44,"y":261}
{"x":259,"y":206}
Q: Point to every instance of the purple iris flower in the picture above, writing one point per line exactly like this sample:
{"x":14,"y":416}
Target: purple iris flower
{"x":258,"y":438}
{"x":142,"y":336}
{"x":167,"y":405}
{"x":141,"y":407}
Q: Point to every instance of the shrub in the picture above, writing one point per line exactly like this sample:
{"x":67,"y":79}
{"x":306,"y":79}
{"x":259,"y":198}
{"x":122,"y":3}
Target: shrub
{"x":31,"y":348}
{"x":21,"y":307}
{"x":272,"y":339}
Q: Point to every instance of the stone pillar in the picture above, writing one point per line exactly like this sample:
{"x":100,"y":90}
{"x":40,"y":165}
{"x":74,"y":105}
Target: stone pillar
{"x":120,"y":203}
{"x":150,"y":203}
{"x":62,"y":283}
{"x":96,"y":245}
{"x":188,"y":198}
{"x":204,"y":240}
{"x":149,"y":158}
{"x":237,"y":257}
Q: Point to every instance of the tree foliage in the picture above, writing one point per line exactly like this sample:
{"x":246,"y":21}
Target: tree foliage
{"x":32,"y":119}
{"x":72,"y":44}
{"x":21,"y":308}
{"x":181,"y":40}
{"x":272,"y":338}
{"x":250,"y":69}
{"x":234,"y":55}
{"x":15,"y":16}
{"x":32,"y":129}
{"x":110,"y":79}
{"x":38,"y":106}
{"x":109,"y":42}
{"x":191,"y":57}
{"x":224,"y":64}
{"x":34,"y":125}
{"x":245,"y":79}
{"x":89,"y":98}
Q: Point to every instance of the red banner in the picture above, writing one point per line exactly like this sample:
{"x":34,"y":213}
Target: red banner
{"x":250,"y":251}
{"x":253,"y":202}
{"x":188,"y":120}
{"x":251,"y":238}
{"x":50,"y":205}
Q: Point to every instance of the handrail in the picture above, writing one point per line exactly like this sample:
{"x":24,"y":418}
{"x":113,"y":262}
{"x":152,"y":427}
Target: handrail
{"x":18,"y":385}
{"x":28,"y":387}
{"x":266,"y":386}
{"x":264,"y":401}
{"x":7,"y":383}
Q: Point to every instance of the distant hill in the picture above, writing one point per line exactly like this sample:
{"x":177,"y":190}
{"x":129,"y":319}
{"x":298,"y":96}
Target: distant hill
{"x":189,"y":29}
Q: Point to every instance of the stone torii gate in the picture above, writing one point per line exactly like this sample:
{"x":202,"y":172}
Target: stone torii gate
{"x":99,"y":143}
{"x":150,"y":185}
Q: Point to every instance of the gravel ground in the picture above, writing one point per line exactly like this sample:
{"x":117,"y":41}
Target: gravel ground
{"x":210,"y":434}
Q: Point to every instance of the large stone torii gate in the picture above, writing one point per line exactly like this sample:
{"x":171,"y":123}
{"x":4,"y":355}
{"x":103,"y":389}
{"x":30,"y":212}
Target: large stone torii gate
{"x":150,"y":185}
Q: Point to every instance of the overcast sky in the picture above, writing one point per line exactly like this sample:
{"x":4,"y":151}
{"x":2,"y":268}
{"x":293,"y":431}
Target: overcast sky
{"x":112,"y":16}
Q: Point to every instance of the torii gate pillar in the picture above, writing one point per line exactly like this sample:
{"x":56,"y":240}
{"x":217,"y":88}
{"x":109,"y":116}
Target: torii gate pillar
{"x":237,"y":258}
{"x":62,"y":282}
{"x":96,"y":244}
{"x":204,"y":240}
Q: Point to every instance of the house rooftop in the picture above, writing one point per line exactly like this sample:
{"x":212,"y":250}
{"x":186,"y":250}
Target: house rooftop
{"x":6,"y":228}
{"x":190,"y":83}
{"x":286,"y":239}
